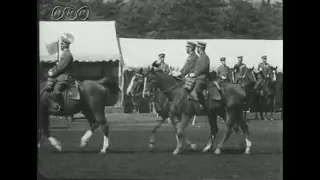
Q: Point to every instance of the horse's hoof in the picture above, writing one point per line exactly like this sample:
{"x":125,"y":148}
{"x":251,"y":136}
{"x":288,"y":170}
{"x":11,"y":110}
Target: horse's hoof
{"x":205,"y":150}
{"x":38,"y":145}
{"x":83,"y":145}
{"x":193,"y":147}
{"x":271,"y":119}
{"x":58,"y":147}
{"x":103,"y":151}
{"x":217,"y":151}
{"x":175,"y":152}
{"x":247,"y":151}
{"x":151,"y":147}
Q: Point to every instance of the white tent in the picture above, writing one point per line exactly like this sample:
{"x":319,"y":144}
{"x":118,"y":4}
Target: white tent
{"x":142,"y":52}
{"x":94,"y":41}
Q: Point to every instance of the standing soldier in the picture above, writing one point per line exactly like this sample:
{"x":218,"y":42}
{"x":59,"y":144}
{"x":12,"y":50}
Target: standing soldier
{"x":61,"y":71}
{"x":222,"y":72}
{"x":264,"y":71}
{"x":241,"y":70}
{"x":163,"y":66}
{"x":200,"y":71}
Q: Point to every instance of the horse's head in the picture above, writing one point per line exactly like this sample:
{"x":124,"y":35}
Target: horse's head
{"x":273,"y":73}
{"x":249,"y":79}
{"x":136,"y":83}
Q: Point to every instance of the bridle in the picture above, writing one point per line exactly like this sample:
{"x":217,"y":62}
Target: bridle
{"x":153,"y":86}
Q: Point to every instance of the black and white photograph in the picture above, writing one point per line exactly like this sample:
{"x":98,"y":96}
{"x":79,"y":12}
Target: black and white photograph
{"x":160,"y":89}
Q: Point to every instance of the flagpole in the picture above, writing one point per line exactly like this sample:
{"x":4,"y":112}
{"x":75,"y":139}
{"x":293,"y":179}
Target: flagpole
{"x":58,"y":48}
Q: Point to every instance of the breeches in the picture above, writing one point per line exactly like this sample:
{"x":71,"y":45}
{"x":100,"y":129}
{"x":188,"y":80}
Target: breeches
{"x":199,"y":85}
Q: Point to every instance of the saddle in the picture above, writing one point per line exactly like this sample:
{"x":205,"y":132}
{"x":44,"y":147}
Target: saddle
{"x":211,"y":92}
{"x":70,"y":92}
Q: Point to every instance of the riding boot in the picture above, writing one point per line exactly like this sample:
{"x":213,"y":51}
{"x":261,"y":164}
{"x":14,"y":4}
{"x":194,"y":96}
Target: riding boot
{"x":202,"y":101}
{"x":59,"y":99}
{"x":217,"y":85}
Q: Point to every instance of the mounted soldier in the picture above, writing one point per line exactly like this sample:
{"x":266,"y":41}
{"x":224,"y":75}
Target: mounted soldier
{"x":200,"y":72}
{"x":163,"y":66}
{"x":191,"y":60}
{"x":241,"y":69}
{"x":222,"y":71}
{"x":263,"y":71}
{"x":60,"y":73}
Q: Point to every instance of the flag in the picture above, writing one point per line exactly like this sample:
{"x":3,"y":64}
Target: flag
{"x":53,"y":48}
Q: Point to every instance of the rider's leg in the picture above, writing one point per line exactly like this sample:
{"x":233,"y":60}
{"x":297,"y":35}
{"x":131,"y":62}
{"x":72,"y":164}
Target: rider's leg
{"x":57,"y":91}
{"x":199,"y":87}
{"x":259,"y":81}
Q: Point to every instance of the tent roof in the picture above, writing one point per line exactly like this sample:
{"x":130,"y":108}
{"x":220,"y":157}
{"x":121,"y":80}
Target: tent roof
{"x":251,"y":50}
{"x":94,"y":41}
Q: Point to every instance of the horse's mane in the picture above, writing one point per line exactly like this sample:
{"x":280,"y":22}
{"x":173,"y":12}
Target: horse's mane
{"x":172,"y":78}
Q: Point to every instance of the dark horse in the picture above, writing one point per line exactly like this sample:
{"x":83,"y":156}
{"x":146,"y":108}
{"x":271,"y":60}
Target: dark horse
{"x":184,"y":106}
{"x":88,"y":96}
{"x":265,"y":94}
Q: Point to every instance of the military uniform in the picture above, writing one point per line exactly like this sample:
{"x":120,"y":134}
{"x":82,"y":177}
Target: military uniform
{"x":164,"y":67}
{"x":61,"y":72}
{"x":264,"y":71}
{"x":241,"y":70}
{"x":222,"y":72}
{"x":200,"y":71}
{"x":190,"y":62}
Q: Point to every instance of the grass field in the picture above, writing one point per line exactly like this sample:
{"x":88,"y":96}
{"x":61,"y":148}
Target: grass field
{"x":128,"y":156}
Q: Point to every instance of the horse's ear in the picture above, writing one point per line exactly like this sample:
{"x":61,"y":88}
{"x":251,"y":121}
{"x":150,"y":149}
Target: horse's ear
{"x":252,"y":68}
{"x":140,"y":71}
{"x":276,"y":67}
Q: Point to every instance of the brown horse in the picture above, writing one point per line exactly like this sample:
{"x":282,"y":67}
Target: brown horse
{"x":161,"y":104}
{"x":88,"y":96}
{"x":247,"y":83}
{"x":184,"y":106}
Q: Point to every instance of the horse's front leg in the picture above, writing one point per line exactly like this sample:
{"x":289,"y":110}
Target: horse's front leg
{"x":180,"y":131}
{"x":261,"y":109}
{"x":159,"y":122}
{"x":212,"y":118}
{"x":46,"y":132}
{"x":273,"y":109}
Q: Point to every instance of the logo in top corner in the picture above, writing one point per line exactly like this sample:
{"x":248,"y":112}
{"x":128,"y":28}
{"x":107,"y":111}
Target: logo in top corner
{"x":69,"y":13}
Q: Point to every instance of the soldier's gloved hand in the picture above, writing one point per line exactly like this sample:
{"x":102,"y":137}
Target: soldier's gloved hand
{"x":50,"y":73}
{"x":192,"y":74}
{"x":223,"y":77}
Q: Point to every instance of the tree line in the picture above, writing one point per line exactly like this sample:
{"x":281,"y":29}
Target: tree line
{"x":182,"y":19}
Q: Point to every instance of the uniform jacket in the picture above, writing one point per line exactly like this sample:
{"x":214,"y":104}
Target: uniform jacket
{"x":202,"y":66}
{"x":189,"y":64}
{"x":164,"y":67}
{"x":222,"y":71}
{"x":64,"y":67}
{"x":241,"y":69}
{"x":264,"y":68}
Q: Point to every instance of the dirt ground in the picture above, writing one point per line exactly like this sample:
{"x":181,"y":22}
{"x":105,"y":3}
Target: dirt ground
{"x":129,"y":157}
